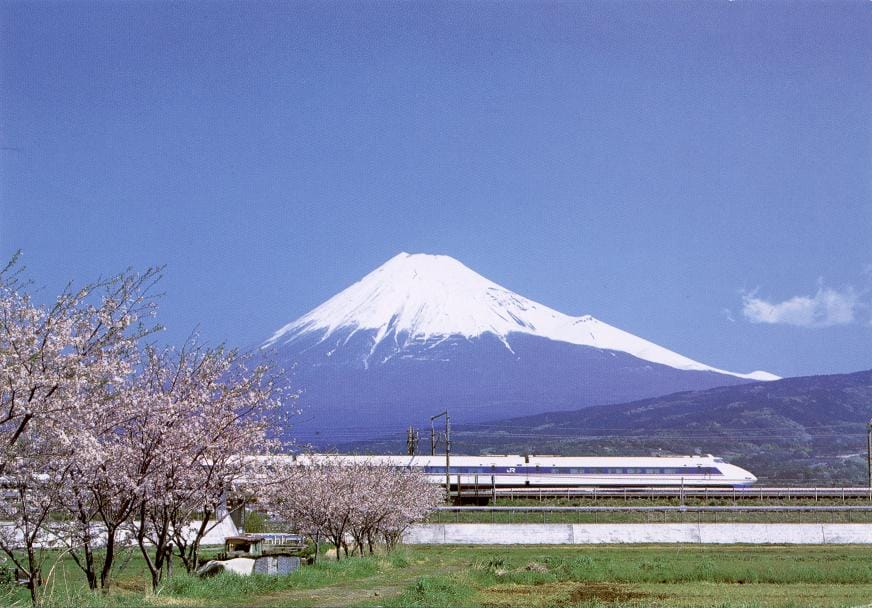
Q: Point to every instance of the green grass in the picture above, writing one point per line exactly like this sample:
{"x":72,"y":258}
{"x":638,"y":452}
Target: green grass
{"x":617,"y":576}
{"x":230,"y":585}
{"x":66,"y":585}
{"x":722,"y":577}
{"x":443,"y":591}
{"x":660,"y":517}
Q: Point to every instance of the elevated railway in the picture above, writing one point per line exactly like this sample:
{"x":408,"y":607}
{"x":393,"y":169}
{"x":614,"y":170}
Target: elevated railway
{"x":734,"y":514}
{"x":484,"y":493}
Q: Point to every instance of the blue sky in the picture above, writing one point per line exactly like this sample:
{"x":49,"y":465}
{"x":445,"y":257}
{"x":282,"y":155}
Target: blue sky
{"x":698,"y":174}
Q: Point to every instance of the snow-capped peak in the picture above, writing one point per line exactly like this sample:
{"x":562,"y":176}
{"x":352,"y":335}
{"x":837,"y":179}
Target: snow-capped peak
{"x":432,"y":296}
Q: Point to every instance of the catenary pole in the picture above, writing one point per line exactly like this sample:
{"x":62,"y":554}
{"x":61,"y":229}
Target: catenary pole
{"x":447,"y":457}
{"x":869,"y":455}
{"x":447,"y":447}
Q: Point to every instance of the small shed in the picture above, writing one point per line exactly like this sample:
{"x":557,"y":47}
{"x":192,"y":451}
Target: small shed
{"x":244,"y":545}
{"x":252,"y":553}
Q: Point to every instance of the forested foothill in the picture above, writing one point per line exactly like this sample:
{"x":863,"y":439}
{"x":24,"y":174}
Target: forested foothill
{"x":804,"y":431}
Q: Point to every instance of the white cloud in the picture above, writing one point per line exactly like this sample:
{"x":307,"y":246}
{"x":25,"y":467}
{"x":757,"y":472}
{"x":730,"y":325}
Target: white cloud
{"x":826,"y":308}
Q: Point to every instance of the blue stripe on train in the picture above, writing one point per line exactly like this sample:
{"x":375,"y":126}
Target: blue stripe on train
{"x":540,"y":470}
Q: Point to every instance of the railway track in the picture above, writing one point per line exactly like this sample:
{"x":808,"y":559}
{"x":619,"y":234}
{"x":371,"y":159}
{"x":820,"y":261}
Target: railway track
{"x":483,"y":493}
{"x":649,"y":514}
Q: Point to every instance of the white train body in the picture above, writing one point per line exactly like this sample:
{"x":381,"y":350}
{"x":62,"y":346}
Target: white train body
{"x":567,"y":471}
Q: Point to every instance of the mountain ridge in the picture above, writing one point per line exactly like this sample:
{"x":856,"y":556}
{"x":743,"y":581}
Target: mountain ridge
{"x":424,"y":333}
{"x":419,"y":298}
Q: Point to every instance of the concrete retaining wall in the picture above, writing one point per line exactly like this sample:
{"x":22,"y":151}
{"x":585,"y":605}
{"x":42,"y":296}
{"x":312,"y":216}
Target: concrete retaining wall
{"x":584,"y":534}
{"x":56,"y":537}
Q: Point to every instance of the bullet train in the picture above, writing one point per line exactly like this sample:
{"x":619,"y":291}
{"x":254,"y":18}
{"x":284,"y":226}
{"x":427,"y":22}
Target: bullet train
{"x":508,"y":471}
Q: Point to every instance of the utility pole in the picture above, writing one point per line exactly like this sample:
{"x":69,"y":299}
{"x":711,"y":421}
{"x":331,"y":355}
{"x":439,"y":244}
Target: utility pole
{"x":411,"y":441}
{"x":432,"y":438}
{"x":447,"y":454}
{"x":447,"y":447}
{"x":869,"y":455}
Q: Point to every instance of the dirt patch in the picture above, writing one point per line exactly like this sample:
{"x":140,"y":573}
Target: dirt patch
{"x":556,"y":594}
{"x":603,"y":592}
{"x":174,"y":601}
{"x":513,"y":590}
{"x":327,"y":597}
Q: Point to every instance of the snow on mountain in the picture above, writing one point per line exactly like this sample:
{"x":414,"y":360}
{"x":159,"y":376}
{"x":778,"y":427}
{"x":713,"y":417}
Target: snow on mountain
{"x":420,"y":298}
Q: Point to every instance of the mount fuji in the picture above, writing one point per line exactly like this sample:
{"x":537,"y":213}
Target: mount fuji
{"x":424,"y":333}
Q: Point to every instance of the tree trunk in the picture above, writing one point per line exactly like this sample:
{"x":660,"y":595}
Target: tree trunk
{"x":155,"y":567}
{"x":87,"y":566}
{"x":193,"y":554}
{"x":106,"y":570}
{"x":34,"y":589}
{"x":90,"y":570}
{"x":34,"y":580}
{"x":169,"y":559}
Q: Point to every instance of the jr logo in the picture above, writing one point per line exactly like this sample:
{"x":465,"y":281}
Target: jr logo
{"x":510,"y":470}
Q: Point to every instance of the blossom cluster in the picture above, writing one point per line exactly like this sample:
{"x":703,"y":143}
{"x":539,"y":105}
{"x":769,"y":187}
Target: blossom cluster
{"x":104,"y":437}
{"x":360,"y":502}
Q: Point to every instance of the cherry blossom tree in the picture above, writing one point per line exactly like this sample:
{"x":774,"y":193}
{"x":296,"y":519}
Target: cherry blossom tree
{"x":58,"y":362}
{"x":28,"y":501}
{"x":314,"y":498}
{"x":104,"y":488}
{"x":340,"y":498}
{"x":49,"y":355}
{"x":411,"y":498}
{"x":389,"y":499}
{"x":239,"y":417}
{"x":206,"y":417}
{"x":112,"y":437}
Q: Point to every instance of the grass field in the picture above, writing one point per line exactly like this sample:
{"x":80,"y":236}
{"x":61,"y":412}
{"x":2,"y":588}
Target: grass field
{"x":639,"y":516}
{"x":496,"y":577}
